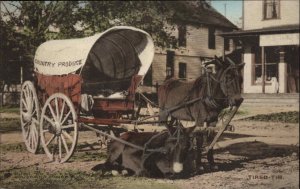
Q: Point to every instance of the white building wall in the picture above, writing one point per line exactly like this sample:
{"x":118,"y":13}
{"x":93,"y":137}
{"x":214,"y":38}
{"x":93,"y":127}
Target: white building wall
{"x":249,"y":86}
{"x":253,"y":14}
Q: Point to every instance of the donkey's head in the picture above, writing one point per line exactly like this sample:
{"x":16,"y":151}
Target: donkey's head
{"x":179,"y":146}
{"x":227,"y":81}
{"x":230,"y":82}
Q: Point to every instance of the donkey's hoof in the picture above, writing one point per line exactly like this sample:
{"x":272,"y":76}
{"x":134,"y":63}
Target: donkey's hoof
{"x":201,"y":168}
{"x":124,"y":172}
{"x":214,"y":168}
{"x":115,"y":173}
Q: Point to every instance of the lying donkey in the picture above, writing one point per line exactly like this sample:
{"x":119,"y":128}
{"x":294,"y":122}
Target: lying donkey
{"x":170,"y":156}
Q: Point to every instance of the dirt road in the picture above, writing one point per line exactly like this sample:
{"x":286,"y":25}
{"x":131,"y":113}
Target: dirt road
{"x":256,"y":155}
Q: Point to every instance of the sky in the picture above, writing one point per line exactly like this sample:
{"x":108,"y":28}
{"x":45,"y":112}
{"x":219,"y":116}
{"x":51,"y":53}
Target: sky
{"x":233,"y":9}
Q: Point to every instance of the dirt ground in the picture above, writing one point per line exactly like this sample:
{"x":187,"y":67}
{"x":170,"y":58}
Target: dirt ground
{"x":255,"y":155}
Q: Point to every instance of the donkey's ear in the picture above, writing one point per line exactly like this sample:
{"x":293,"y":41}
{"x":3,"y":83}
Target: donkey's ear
{"x":241,"y":66}
{"x":218,"y":61}
{"x":230,"y":61}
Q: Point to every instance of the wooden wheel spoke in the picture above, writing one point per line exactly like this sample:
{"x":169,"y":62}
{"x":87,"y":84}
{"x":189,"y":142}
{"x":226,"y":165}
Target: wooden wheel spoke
{"x":35,"y":131}
{"x":25,"y":104}
{"x":45,"y":130}
{"x":68,"y":126}
{"x":65,"y":143}
{"x":34,"y":139}
{"x":51,"y":139}
{"x":25,"y":92}
{"x":28,"y":133}
{"x":33,"y":113}
{"x":66,"y":117}
{"x":67,"y":135}
{"x":23,"y":113}
{"x":35,"y":121}
{"x":26,"y":125}
{"x":62,"y":111}
{"x":28,"y":136}
{"x":49,"y":120}
{"x":56,"y":108}
{"x":52,"y":112}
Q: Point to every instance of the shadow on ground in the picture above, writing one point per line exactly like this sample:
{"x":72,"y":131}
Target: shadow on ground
{"x":255,"y":150}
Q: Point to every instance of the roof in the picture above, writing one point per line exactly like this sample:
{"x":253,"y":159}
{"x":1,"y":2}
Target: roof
{"x":267,"y":30}
{"x":198,"y":13}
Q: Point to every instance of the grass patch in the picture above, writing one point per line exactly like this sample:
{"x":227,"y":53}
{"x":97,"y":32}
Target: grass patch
{"x":240,"y":111}
{"x":34,"y":177}
{"x":10,"y":125}
{"x":17,"y":147}
{"x":88,"y":156}
{"x":10,"y":109}
{"x":285,"y":117}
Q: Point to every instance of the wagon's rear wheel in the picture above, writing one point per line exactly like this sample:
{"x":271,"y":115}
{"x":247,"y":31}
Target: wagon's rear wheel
{"x":59,"y":128}
{"x":30,"y":115}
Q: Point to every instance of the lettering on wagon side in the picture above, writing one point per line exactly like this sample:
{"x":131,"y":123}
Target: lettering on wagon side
{"x":58,"y":64}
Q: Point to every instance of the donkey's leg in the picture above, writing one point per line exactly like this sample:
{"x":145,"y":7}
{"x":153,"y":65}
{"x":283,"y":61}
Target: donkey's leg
{"x":210,"y":154}
{"x":211,"y":161}
{"x":199,"y":149}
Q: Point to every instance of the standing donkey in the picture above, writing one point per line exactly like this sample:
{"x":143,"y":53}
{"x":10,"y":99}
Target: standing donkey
{"x":216,"y":92}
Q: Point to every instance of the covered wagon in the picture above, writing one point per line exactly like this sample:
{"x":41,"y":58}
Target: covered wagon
{"x":91,"y":80}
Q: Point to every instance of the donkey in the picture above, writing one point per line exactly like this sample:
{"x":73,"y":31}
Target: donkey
{"x":171,"y":150}
{"x":216,"y":91}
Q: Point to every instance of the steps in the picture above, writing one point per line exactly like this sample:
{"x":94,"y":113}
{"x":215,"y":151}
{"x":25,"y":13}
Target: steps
{"x":288,"y":99}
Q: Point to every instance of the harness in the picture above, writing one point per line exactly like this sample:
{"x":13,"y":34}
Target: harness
{"x":209,"y":99}
{"x":177,"y":135}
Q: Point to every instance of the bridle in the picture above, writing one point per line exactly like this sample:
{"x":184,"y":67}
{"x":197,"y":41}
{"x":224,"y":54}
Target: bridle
{"x":210,"y":99}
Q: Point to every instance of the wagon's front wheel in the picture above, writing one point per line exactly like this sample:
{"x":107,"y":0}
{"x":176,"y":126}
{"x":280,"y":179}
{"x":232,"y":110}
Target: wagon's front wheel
{"x":59,"y":128}
{"x":30,"y":115}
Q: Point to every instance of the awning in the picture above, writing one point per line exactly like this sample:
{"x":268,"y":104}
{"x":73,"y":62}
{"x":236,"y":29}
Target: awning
{"x":257,"y":32}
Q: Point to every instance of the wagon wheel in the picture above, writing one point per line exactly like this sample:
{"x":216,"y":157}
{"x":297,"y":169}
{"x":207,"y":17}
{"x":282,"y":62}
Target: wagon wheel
{"x":59,"y":128}
{"x":30,"y":115}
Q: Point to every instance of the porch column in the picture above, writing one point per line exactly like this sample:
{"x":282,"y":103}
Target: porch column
{"x":263,"y":69}
{"x":223,"y":50}
{"x":282,"y":73}
{"x":248,"y":69}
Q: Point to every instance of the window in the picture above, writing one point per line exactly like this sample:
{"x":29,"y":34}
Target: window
{"x":226,"y":44}
{"x":271,"y":65}
{"x":170,"y":64}
{"x":271,"y":9}
{"x":182,"y":71}
{"x":211,"y":38}
{"x":182,"y":35}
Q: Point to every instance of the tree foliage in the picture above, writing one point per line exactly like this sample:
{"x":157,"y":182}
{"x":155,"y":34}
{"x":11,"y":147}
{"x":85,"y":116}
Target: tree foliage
{"x":155,"y":17}
{"x":27,"y":24}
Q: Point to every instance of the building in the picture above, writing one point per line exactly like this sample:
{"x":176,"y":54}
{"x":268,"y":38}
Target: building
{"x":196,"y":29}
{"x":270,"y":40}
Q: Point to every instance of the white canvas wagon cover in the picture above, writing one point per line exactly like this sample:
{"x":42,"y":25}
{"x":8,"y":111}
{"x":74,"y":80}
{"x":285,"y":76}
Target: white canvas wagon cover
{"x":115,"y":53}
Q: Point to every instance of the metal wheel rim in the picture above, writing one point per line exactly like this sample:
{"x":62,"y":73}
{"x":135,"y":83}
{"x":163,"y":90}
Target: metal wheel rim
{"x":30,"y":116}
{"x":59,"y":128}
